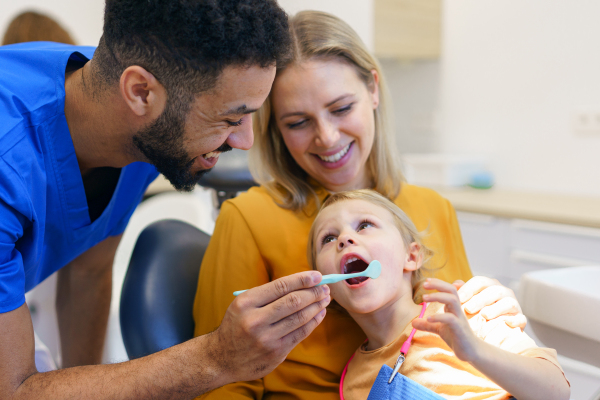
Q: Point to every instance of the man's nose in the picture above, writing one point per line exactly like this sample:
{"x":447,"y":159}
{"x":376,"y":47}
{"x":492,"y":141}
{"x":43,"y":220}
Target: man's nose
{"x":328,"y":134}
{"x":242,"y":137}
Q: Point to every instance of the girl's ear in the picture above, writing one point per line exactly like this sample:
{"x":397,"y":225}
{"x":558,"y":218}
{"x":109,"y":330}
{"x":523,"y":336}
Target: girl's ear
{"x":414,"y":257}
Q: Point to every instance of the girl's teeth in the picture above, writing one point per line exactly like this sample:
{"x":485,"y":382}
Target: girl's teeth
{"x":337,"y":156}
{"x":212,"y":154}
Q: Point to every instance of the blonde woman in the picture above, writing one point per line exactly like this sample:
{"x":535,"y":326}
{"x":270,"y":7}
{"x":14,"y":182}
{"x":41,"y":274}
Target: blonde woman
{"x":323,"y":129}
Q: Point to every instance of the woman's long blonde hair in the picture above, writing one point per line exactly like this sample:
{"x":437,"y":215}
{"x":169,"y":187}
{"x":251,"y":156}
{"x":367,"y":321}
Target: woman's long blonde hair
{"x":320,"y":35}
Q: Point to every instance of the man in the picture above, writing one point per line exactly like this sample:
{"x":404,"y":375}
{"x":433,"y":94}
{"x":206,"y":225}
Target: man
{"x":171,"y":84}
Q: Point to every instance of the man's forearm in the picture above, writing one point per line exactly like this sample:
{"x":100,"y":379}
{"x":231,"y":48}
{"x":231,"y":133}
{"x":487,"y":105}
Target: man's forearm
{"x":180,"y":372}
{"x":82,"y":307}
{"x":83,"y":295}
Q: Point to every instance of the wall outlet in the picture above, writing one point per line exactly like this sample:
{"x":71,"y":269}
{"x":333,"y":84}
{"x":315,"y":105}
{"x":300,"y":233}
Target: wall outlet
{"x":586,"y":120}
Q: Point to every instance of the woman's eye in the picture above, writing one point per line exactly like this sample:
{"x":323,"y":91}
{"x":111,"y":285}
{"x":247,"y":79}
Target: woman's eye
{"x":297,"y":124}
{"x":343,"y":110}
{"x":235,"y":123}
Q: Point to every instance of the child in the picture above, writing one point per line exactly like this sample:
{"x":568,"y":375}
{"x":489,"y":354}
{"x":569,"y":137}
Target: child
{"x":452,"y":354}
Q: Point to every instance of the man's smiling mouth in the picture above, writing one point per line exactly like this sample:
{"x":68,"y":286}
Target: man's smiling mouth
{"x":216,"y":153}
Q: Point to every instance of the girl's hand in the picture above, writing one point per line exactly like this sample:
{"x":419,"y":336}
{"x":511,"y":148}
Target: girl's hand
{"x":491,"y":300}
{"x":452,"y":326}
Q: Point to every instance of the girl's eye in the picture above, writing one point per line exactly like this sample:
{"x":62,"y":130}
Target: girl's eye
{"x":343,"y":110}
{"x":235,"y":123}
{"x":363,"y":225}
{"x":297,"y":124}
{"x":327,"y":239}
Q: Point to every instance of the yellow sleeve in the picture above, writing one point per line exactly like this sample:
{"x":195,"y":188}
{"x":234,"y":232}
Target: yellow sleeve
{"x":231,"y":262}
{"x":459,"y":264}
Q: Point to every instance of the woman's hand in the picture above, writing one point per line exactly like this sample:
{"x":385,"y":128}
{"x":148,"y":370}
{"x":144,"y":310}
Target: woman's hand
{"x":452,"y":326}
{"x":492,"y":300}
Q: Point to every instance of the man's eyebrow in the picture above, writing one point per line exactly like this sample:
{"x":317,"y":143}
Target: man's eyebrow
{"x":243,"y":109}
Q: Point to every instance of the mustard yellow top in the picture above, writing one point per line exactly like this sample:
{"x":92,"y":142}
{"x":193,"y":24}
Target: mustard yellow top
{"x":256,"y":241}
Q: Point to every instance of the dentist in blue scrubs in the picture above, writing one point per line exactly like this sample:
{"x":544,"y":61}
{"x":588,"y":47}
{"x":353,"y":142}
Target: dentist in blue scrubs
{"x":83,"y":132}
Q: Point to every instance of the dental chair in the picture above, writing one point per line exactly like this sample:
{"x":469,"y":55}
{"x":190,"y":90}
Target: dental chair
{"x":160,"y":284}
{"x":159,"y":287}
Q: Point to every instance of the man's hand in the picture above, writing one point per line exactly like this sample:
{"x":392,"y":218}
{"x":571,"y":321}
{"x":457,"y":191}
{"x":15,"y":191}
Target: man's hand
{"x":492,"y":300}
{"x":264,"y":324}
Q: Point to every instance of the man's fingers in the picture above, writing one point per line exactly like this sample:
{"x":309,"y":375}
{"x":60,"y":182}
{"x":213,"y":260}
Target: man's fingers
{"x":487,"y":296}
{"x":295,"y":337}
{"x":293,"y":302}
{"x":278,"y":288}
{"x":300,"y":318}
{"x":474,"y":286}
{"x":505,"y":306}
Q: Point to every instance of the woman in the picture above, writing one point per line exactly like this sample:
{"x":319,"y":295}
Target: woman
{"x":322,"y":130}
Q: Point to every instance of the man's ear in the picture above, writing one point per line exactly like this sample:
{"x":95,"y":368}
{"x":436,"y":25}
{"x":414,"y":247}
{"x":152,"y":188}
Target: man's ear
{"x":414,"y":257}
{"x":142,"y":92}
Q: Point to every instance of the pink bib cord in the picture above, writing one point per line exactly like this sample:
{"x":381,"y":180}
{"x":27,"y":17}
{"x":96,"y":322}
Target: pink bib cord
{"x":403,"y":349}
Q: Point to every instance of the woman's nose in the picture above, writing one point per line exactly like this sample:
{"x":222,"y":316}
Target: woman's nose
{"x":328,"y":134}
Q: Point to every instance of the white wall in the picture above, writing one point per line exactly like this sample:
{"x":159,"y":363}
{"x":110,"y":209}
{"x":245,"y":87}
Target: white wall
{"x":82,"y":19}
{"x":513,"y":72}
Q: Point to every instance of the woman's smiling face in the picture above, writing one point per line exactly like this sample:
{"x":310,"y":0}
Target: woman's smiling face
{"x":325,"y":114}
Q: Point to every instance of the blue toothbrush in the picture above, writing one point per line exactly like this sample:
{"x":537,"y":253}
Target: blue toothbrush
{"x":373,"y":271}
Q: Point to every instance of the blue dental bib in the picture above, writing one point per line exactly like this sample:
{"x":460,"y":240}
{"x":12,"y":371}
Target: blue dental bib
{"x":401,"y":388}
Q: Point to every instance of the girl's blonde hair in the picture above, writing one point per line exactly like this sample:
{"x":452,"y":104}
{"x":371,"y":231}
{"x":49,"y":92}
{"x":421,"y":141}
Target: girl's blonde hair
{"x":408,"y":232}
{"x":320,"y":35}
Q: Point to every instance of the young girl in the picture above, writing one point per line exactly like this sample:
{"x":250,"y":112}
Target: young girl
{"x":455,"y":355}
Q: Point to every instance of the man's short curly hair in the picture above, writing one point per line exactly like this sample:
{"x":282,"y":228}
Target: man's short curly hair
{"x":186,"y":44}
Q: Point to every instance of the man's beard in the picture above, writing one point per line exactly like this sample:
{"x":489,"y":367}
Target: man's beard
{"x":162,"y":143}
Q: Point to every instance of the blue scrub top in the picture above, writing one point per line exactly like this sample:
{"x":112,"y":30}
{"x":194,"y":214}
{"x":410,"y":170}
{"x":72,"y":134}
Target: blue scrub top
{"x":44,"y":218}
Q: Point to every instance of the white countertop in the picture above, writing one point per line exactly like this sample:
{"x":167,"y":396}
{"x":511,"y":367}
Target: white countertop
{"x":561,"y":209}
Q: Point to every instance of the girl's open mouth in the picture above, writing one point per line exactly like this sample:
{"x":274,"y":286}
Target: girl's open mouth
{"x":354,"y":265}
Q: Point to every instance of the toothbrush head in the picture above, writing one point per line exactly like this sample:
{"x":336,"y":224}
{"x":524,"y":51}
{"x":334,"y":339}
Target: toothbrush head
{"x":373,"y":270}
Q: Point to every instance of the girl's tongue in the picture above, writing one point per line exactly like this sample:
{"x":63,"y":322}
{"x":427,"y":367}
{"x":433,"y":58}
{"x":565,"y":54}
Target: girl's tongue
{"x":354,"y":267}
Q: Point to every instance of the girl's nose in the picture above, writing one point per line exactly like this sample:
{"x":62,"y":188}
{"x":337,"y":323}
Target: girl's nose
{"x":345,"y":242}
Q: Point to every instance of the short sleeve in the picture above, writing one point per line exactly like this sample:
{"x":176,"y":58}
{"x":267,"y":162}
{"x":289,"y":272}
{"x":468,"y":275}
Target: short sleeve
{"x":12,"y":274}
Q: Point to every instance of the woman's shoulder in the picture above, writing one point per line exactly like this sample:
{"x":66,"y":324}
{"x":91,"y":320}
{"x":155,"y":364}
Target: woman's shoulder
{"x":257,"y":205}
{"x":418,"y":195}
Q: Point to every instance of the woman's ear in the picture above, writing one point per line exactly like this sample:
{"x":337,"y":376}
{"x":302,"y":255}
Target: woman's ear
{"x":414,"y":257}
{"x":374,"y":89}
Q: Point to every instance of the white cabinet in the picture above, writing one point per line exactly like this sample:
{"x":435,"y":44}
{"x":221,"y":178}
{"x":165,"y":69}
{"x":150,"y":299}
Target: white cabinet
{"x":506,"y":248}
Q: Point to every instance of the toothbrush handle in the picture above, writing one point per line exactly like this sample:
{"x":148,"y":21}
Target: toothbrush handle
{"x":327,"y":279}
{"x":333,"y":278}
